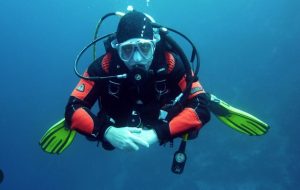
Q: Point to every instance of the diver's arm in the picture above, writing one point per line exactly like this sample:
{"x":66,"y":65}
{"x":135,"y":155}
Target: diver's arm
{"x":78,"y":114}
{"x":80,"y":118}
{"x":193,"y":116}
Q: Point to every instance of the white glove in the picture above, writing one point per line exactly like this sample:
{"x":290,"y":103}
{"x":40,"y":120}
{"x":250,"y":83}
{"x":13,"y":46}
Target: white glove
{"x":125,"y":138}
{"x":148,"y":135}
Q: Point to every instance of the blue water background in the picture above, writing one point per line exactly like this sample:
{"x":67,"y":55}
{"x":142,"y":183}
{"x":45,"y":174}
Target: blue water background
{"x":250,"y":58}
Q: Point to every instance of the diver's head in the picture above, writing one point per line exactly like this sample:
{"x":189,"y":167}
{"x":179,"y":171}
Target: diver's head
{"x":135,"y":40}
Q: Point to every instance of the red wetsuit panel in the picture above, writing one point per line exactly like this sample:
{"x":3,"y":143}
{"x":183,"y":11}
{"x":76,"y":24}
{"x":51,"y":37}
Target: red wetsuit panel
{"x":83,"y":88}
{"x":195,"y":90}
{"x":184,"y":121}
{"x":82,"y":121}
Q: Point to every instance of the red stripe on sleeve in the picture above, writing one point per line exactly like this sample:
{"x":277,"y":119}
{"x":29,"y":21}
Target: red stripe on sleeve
{"x":83,"y":88}
{"x":82,"y":121}
{"x":196,"y":86}
{"x":185,"y":120}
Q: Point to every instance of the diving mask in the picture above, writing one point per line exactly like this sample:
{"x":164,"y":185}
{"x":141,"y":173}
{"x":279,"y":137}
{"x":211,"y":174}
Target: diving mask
{"x":144,"y":47}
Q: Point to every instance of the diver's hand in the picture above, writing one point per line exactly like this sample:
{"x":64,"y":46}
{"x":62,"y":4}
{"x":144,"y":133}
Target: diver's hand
{"x":125,"y":138}
{"x":148,"y":135}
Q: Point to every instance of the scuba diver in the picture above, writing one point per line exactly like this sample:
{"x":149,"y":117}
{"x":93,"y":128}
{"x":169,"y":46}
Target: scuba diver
{"x":147,"y":93}
{"x":155,"y":77}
